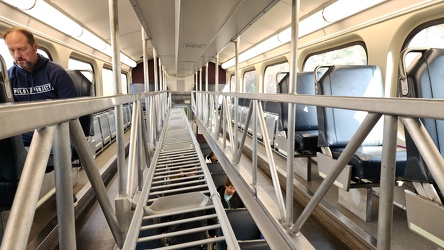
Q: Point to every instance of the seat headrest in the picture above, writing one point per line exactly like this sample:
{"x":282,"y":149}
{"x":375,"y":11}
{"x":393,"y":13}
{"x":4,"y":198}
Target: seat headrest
{"x":83,"y":85}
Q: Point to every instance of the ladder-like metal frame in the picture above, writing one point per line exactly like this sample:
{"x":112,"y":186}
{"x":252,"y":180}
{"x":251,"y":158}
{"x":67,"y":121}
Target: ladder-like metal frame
{"x":178,"y":170}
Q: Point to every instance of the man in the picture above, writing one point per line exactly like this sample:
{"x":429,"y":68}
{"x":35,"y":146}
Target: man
{"x":34,"y":77}
{"x":230,"y":199}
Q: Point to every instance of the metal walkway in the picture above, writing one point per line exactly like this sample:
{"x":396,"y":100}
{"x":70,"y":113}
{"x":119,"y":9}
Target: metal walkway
{"x":179,"y":203}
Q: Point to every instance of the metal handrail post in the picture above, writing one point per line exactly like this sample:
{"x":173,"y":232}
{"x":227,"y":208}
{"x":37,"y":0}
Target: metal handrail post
{"x":89,"y":165}
{"x":292,"y":111}
{"x":63,"y":185}
{"x":387,"y":182}
{"x":27,"y":195}
{"x":133,"y":151}
{"x":140,"y":147}
{"x":254,"y":152}
{"x":272,"y":165}
{"x":355,"y":142}
{"x":427,"y":149}
{"x":238,"y":154}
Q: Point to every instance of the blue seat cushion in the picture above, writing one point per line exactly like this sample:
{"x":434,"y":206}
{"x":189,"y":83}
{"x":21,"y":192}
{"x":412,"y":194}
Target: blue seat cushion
{"x":366,"y":162}
{"x":306,"y":140}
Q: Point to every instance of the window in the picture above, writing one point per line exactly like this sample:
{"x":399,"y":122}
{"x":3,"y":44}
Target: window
{"x":250,"y":82}
{"x":232,"y":83}
{"x":272,"y":76}
{"x":124,"y":82}
{"x":108,"y":82}
{"x":432,"y":36}
{"x":349,"y":55}
{"x":87,"y":69}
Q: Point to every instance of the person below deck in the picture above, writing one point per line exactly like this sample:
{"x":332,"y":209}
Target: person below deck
{"x":229,"y":197}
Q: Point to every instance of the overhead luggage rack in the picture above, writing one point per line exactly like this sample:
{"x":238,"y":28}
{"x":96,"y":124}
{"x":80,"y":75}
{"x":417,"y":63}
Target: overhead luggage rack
{"x":180,"y":207}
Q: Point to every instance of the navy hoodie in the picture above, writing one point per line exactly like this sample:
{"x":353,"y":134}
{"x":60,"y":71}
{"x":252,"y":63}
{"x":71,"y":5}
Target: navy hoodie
{"x":47,"y":80}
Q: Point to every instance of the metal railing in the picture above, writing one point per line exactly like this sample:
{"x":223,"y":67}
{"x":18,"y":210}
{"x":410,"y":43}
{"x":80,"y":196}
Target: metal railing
{"x":390,"y":108}
{"x":16,"y":119}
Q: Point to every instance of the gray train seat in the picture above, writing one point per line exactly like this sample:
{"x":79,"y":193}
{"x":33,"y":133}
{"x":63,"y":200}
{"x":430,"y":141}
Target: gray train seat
{"x":254,"y":245}
{"x":97,"y":136}
{"x":244,"y":228}
{"x":12,"y":151}
{"x":85,"y":88}
{"x":112,"y":124}
{"x":337,"y":126}
{"x":424,"y":79}
{"x":104,"y":128}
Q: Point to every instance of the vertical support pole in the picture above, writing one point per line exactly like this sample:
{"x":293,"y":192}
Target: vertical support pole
{"x":254,"y":153}
{"x":207,"y":107}
{"x":63,"y":183}
{"x":292,"y":112}
{"x":216,"y":86}
{"x":234,"y":144}
{"x":388,"y":168}
{"x":146,"y":80}
{"x":225,"y":120}
{"x":201,"y":96}
{"x":122,"y":203}
{"x":155,"y":115}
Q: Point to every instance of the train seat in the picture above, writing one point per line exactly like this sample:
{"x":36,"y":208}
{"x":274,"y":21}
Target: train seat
{"x":218,"y":178}
{"x":337,"y":126}
{"x":215,"y":168}
{"x":97,"y":137}
{"x":253,"y":245}
{"x":12,"y":150}
{"x":273,"y":113}
{"x":424,"y":79}
{"x":244,"y":227}
{"x":306,"y":125}
{"x":112,"y":124}
{"x":85,"y":88}
{"x":104,"y":128}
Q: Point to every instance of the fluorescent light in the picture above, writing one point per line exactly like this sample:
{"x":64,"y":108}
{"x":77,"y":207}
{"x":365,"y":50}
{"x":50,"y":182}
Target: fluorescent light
{"x":345,"y":8}
{"x":272,"y":42}
{"x":311,"y":24}
{"x":22,"y":4}
{"x":330,"y":14}
{"x":44,"y":12}
{"x":128,"y":61}
{"x":54,"y":18}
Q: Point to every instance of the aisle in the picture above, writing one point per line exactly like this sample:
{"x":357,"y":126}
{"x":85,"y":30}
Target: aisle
{"x":93,"y":232}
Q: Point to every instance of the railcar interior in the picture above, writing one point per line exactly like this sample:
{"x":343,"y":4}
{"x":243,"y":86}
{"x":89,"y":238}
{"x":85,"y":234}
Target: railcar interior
{"x":324,"y":116}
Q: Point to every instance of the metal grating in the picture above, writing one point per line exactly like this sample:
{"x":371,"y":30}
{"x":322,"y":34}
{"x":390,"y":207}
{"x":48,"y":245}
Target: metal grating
{"x":180,"y":210}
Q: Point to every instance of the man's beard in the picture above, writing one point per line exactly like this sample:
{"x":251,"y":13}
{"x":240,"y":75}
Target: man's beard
{"x":22,"y":65}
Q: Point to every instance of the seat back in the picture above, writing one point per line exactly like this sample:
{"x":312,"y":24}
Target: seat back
{"x":337,"y":126}
{"x":12,"y":150}
{"x":424,"y":80}
{"x":85,"y":88}
{"x":306,"y":117}
{"x":104,"y":128}
{"x":112,"y":123}
{"x":243,"y":225}
{"x":97,"y":137}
